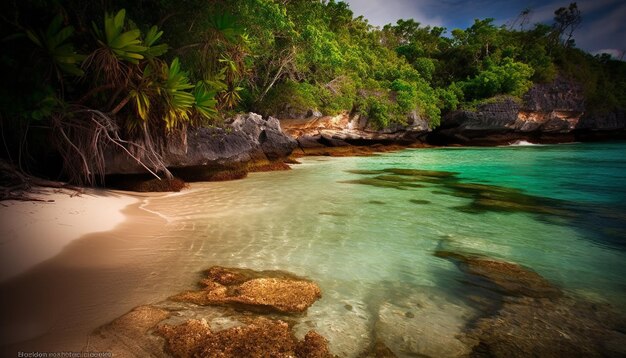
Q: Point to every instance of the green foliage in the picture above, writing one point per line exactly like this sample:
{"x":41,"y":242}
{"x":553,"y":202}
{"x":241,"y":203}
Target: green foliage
{"x":290,"y":96}
{"x":54,"y":41}
{"x":126,"y":45}
{"x":406,"y":94}
{"x":180,"y":101}
{"x":279,"y":57}
{"x":379,"y":111}
{"x":205,"y":101}
{"x":509,"y":77}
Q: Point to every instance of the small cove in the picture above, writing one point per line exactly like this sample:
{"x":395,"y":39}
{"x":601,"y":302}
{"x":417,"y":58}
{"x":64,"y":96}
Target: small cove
{"x":366,"y":229}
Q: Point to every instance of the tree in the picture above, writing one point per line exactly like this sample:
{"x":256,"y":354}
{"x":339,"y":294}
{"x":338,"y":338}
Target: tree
{"x":566,"y":21}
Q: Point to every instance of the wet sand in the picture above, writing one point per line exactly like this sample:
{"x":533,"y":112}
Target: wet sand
{"x":55,"y":305}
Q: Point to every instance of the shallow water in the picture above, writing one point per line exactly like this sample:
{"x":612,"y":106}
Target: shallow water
{"x":365,"y":229}
{"x":366,"y":232}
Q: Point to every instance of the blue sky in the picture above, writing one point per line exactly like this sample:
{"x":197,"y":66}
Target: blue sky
{"x":603,"y":28}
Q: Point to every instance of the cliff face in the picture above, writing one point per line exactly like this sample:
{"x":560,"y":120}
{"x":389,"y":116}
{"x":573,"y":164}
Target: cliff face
{"x":553,"y":112}
{"x":246,"y":140}
{"x":343,"y":130}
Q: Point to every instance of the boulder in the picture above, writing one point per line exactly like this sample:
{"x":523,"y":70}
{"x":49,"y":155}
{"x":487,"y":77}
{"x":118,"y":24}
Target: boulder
{"x":261,"y":292}
{"x":504,"y":277}
{"x":181,"y":329}
{"x":534,"y":317}
{"x":245,"y":139}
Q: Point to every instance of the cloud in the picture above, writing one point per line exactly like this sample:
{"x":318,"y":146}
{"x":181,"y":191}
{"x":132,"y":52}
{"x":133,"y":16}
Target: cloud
{"x":380,"y":13}
{"x":604,"y":32}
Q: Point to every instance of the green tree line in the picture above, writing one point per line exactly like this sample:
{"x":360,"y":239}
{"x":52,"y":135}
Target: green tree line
{"x":131,"y":73}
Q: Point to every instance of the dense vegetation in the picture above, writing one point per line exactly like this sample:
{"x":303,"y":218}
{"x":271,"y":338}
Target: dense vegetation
{"x":131,"y":73}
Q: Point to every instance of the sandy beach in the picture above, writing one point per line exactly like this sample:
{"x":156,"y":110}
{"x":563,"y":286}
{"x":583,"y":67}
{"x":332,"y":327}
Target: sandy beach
{"x":34,"y":231}
{"x":72,"y":265}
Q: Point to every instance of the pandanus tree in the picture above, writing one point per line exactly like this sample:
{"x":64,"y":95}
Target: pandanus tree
{"x":133,"y":101}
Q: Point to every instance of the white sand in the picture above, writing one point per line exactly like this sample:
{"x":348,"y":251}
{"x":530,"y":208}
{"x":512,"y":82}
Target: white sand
{"x":32,"y":232}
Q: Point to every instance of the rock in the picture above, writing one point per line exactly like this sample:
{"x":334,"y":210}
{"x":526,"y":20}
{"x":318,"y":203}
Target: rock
{"x":433,"y":329}
{"x":546,"y":328}
{"x":264,"y":291}
{"x":551,"y":112}
{"x":535,"y":318}
{"x":200,"y":152}
{"x":128,"y":335}
{"x":313,"y":113}
{"x":505,"y":277}
{"x":560,"y":95}
{"x":610,"y":121}
{"x":261,"y":338}
{"x":313,"y":346}
{"x":310,"y":141}
{"x":343,"y":130}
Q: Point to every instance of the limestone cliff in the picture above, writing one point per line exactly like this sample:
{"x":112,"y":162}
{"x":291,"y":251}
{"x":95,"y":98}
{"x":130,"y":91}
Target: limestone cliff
{"x":245,"y":140}
{"x":552,"y":112}
{"x":344,"y":130}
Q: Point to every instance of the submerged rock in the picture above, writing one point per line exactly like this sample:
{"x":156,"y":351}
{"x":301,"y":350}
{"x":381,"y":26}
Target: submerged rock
{"x":505,"y":277}
{"x":256,"y":291}
{"x":130,"y":335}
{"x":432,"y":328}
{"x":261,"y":338}
{"x":535,"y":318}
{"x":549,"y":328}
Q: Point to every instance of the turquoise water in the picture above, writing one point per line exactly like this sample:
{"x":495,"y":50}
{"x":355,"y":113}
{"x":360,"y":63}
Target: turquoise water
{"x":366,"y":232}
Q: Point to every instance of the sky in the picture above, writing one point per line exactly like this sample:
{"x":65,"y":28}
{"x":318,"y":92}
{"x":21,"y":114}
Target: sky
{"x":603,"y":28}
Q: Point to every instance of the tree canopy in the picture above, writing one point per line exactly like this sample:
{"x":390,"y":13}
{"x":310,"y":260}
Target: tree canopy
{"x":143,"y":70}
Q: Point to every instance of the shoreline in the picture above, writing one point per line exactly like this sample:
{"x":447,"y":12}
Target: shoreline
{"x":56,"y":303}
{"x":32,"y":232}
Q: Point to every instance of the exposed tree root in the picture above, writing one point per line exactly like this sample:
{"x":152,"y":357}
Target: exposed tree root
{"x":19,"y":186}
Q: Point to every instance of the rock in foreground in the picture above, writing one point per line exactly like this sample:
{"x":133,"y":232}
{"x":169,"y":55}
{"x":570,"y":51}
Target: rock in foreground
{"x":180,"y":329}
{"x":261,"y":338}
{"x":265,"y":291}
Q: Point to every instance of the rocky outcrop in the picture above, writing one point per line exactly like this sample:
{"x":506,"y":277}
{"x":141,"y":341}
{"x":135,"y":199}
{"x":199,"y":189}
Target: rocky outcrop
{"x":534,"y":317}
{"x":343,"y":130}
{"x":553,"y":112}
{"x":185,"y":329}
{"x":261,"y":292}
{"x":245,"y":140}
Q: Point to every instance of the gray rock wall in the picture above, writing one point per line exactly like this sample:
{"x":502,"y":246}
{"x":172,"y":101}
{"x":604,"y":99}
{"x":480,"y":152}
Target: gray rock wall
{"x":245,"y":139}
{"x":550,"y":112}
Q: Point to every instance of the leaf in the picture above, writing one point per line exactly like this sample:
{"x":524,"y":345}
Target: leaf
{"x":118,"y":22}
{"x":31,"y":35}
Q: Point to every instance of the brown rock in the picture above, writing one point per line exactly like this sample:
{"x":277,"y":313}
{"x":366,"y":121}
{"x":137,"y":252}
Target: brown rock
{"x":184,"y":340}
{"x":261,"y":338}
{"x":313,"y":346}
{"x":252,"y":290}
{"x":506,"y":277}
{"x":547,"y":328}
{"x":128,"y":335}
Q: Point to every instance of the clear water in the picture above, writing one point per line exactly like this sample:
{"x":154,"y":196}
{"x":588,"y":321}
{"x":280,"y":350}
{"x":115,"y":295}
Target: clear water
{"x":371,"y":248}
